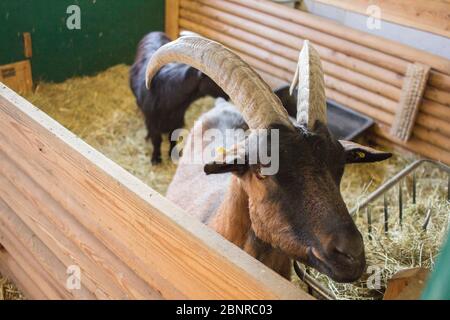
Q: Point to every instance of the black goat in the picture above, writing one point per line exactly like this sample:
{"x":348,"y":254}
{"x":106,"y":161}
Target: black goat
{"x":172,"y":90}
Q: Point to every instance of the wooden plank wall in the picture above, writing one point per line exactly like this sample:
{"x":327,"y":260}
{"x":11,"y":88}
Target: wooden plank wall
{"x":362,"y":71}
{"x":64,"y":204}
{"x":428,"y":15}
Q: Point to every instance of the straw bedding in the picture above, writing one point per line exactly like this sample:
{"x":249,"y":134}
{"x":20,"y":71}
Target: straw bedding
{"x":102,"y":111}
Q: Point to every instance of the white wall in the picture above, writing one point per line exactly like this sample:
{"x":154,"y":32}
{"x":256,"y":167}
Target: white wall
{"x":430,"y":42}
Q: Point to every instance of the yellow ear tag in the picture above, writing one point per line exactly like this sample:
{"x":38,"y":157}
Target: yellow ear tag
{"x":360,"y":154}
{"x":220,"y":150}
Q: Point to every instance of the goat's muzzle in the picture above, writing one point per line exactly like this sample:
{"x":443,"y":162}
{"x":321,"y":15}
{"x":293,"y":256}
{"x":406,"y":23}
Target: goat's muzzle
{"x":341,"y":256}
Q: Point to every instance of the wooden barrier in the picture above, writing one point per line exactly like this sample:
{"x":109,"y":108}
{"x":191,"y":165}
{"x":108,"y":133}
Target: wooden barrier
{"x":63,"y":204}
{"x":362,"y":71}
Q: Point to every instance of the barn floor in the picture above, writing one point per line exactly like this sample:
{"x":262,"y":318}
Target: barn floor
{"x":102,"y":111}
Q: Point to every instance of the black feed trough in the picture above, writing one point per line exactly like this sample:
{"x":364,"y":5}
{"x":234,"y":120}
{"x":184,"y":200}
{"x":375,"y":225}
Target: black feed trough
{"x":344,"y":123}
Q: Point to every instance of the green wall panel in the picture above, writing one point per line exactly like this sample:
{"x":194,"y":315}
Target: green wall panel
{"x":438,"y":286}
{"x":110,"y":31}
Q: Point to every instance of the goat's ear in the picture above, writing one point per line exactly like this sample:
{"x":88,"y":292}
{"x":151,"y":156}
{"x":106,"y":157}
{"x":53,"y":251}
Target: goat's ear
{"x":227,"y":161}
{"x":287,"y":100}
{"x":217,"y":167}
{"x":356,"y":153}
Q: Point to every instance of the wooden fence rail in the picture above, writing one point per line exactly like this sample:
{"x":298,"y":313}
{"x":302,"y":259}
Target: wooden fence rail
{"x":63,"y":204}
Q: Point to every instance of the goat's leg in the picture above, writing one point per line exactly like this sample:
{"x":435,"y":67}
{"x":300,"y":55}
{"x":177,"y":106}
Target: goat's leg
{"x":156,"y":141}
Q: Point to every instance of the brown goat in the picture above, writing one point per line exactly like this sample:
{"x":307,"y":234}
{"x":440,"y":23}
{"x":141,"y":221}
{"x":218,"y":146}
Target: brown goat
{"x":296,"y":213}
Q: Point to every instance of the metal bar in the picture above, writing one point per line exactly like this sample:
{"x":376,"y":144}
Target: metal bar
{"x":392,"y":182}
{"x":448,"y":188}
{"x":308,"y":274}
{"x":386,"y":214}
{"x":369,"y":222}
{"x":400,"y":203}
{"x":388,"y":185}
{"x":427,"y":220}
{"x":313,"y":283}
{"x":414,"y":191}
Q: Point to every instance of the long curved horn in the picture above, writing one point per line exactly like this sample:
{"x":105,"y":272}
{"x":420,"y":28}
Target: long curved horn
{"x":311,"y":99}
{"x":258,"y":104}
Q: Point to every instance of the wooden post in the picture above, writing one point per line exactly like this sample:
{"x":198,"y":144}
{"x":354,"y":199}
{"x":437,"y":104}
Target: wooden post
{"x":406,"y":284}
{"x":27,"y":45}
{"x":171,"y":18}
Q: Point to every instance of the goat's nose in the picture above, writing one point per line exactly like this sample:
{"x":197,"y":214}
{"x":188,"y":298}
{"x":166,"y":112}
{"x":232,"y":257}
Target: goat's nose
{"x":347,"y":244}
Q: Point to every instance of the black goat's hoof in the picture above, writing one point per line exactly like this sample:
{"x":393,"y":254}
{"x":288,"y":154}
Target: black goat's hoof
{"x":156,"y":161}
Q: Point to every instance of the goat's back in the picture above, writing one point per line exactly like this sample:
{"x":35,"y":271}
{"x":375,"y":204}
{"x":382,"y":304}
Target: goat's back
{"x":146,"y":48}
{"x":194,"y":191}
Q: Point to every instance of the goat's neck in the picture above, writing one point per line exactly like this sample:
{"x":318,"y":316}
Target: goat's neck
{"x":232,"y":221}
